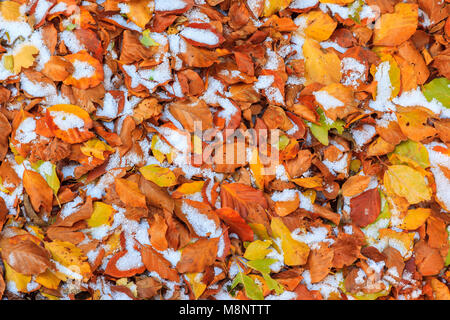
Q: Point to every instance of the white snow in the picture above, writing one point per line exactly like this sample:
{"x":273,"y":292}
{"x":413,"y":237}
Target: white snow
{"x":200,"y":35}
{"x":66,"y":121}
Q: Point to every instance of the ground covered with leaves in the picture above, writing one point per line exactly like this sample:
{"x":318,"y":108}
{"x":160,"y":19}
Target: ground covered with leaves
{"x":99,"y":102}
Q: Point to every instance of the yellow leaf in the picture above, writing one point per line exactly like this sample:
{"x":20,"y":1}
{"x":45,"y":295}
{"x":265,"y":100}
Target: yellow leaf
{"x":48,"y":171}
{"x":257,"y":169}
{"x":295,"y":252}
{"x":259,"y":230}
{"x":415,"y":218}
{"x":113,"y":243}
{"x":49,"y":296}
{"x":402,"y":241}
{"x":24,"y":58}
{"x":159,"y":148}
{"x":407,"y":182}
{"x":198,"y":287}
{"x":320,"y":25}
{"x":10,"y":10}
{"x":95,"y":148}
{"x":36,"y":231}
{"x":273,"y":6}
{"x":257,"y":250}
{"x":140,"y":12}
{"x":322,"y":67}
{"x":48,"y":279}
{"x":101,"y":215}
{"x":163,"y":177}
{"x":70,"y":257}
{"x":20,"y":280}
{"x":190,"y":187}
{"x":394,"y":72}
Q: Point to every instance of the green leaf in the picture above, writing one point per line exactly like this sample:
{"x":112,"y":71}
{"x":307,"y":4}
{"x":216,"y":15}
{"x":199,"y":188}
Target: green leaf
{"x":146,"y":40}
{"x":283,"y":142}
{"x":261,"y":265}
{"x":252,"y":290}
{"x":439,"y":89}
{"x":71,"y":26}
{"x":355,"y":9}
{"x":410,"y":150}
{"x":273,"y":284}
{"x":320,"y":132}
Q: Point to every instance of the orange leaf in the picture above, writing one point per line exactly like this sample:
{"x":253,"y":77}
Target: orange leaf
{"x":155,"y":262}
{"x":157,"y":233}
{"x":394,"y":28}
{"x":88,"y":71}
{"x":236,"y":222}
{"x":39,"y":191}
{"x":70,"y":123}
{"x":242,"y":198}
{"x":354,"y":185}
{"x":129,"y":193}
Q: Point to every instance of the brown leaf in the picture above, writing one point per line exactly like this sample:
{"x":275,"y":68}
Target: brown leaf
{"x":236,"y":222}
{"x":428,"y":260}
{"x":394,"y":259}
{"x":147,"y":288}
{"x":84,"y":212}
{"x":58,"y":68}
{"x":394,"y":28}
{"x":437,"y":233}
{"x":191,"y":83}
{"x":296,"y":167}
{"x":197,"y":256}
{"x":5,"y":130}
{"x":146,"y":109}
{"x":242,"y":198}
{"x":346,"y":250}
{"x":26,"y":257}
{"x":366,"y":207}
{"x":408,"y":51}
{"x":320,"y":262}
{"x":133,"y":50}
{"x":190,"y":111}
{"x":155,"y":195}
{"x":442,"y":63}
{"x":326,"y":213}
